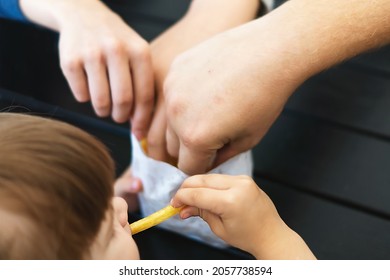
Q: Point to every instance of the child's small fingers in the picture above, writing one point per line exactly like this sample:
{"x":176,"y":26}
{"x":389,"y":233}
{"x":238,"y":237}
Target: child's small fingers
{"x":127,"y":185}
{"x":203,"y":198}
{"x":189,"y":211}
{"x":212,"y":181}
{"x":214,"y":221}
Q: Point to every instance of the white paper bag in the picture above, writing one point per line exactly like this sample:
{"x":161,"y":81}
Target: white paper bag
{"x":161,"y":181}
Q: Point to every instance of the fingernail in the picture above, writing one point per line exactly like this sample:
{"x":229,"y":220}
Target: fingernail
{"x":184,"y":215}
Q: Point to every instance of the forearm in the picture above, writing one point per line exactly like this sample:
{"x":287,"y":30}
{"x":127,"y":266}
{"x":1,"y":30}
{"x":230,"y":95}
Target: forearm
{"x":213,"y":16}
{"x":306,"y":36}
{"x":206,"y":18}
{"x":54,"y":14}
{"x":282,"y":244}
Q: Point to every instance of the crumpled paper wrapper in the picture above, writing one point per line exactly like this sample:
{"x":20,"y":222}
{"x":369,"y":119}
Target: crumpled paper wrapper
{"x":161,"y":181}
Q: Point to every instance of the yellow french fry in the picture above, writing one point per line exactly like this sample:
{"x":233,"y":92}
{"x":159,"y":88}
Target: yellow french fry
{"x":154,"y":219}
{"x":144,"y":147}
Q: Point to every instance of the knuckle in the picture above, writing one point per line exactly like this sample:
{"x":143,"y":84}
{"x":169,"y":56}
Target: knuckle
{"x":145,"y":98}
{"x":141,"y":51}
{"x":115,"y":47}
{"x":71,"y":64}
{"x":175,"y":107}
{"x":229,"y":200}
{"x":94,"y":55}
{"x":154,"y":142}
{"x":193,"y":138}
{"x":123,"y":99}
{"x":101,"y":102}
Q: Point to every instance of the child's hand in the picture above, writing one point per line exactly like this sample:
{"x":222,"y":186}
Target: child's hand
{"x":127,"y":187}
{"x":240,"y":213}
{"x":236,"y":209}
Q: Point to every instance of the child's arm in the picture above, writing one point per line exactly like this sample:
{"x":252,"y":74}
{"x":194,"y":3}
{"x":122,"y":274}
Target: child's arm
{"x":240,"y":213}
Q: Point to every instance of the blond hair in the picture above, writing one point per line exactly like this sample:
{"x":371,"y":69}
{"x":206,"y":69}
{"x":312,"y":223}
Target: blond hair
{"x":55,"y":188}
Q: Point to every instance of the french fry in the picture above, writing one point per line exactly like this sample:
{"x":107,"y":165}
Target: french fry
{"x":169,"y":159}
{"x":144,"y":145}
{"x":159,"y":216}
{"x":154,"y":219}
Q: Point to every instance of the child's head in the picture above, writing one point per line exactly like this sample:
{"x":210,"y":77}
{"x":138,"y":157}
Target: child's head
{"x":56,"y":190}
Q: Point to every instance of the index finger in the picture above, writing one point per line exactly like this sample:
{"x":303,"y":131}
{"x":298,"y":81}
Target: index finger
{"x":143,"y":88}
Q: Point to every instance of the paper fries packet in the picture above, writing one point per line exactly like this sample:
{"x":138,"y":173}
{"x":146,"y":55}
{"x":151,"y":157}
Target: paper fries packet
{"x":160,"y":182}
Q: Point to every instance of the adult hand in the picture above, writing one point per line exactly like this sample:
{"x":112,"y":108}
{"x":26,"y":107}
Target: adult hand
{"x":102,"y":58}
{"x":220,"y":100}
{"x":202,"y":21}
{"x":223,"y":95}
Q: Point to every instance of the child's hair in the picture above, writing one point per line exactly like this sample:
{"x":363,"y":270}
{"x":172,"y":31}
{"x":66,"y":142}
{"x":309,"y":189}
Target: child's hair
{"x":56,"y":184}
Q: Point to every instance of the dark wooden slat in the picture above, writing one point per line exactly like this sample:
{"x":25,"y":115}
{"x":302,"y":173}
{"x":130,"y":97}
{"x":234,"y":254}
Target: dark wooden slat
{"x":332,"y":231}
{"x":378,"y":60}
{"x":160,"y":10}
{"x":327,"y":160}
{"x":116,"y":138}
{"x":346,"y":96}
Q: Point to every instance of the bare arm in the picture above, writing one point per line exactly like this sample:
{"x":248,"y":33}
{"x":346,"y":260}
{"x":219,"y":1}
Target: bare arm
{"x":264,"y":61}
{"x":315,"y":35}
{"x":204,"y":19}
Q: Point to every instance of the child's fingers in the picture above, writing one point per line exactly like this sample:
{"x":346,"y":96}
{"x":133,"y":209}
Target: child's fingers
{"x":127,"y":184}
{"x":203,"y":198}
{"x":212,"y":181}
{"x":214,"y":221}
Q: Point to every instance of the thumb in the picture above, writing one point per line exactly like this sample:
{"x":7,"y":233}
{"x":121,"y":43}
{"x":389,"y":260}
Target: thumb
{"x":230,"y":150}
{"x":213,"y":220}
{"x":193,"y":161}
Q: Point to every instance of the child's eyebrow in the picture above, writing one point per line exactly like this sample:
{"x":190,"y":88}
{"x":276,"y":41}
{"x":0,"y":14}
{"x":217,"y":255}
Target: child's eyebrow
{"x":154,"y":219}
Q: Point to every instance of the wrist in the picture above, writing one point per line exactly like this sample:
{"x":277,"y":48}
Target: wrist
{"x":56,"y":14}
{"x":268,"y":237}
{"x":282,"y":244}
{"x":306,"y":37}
